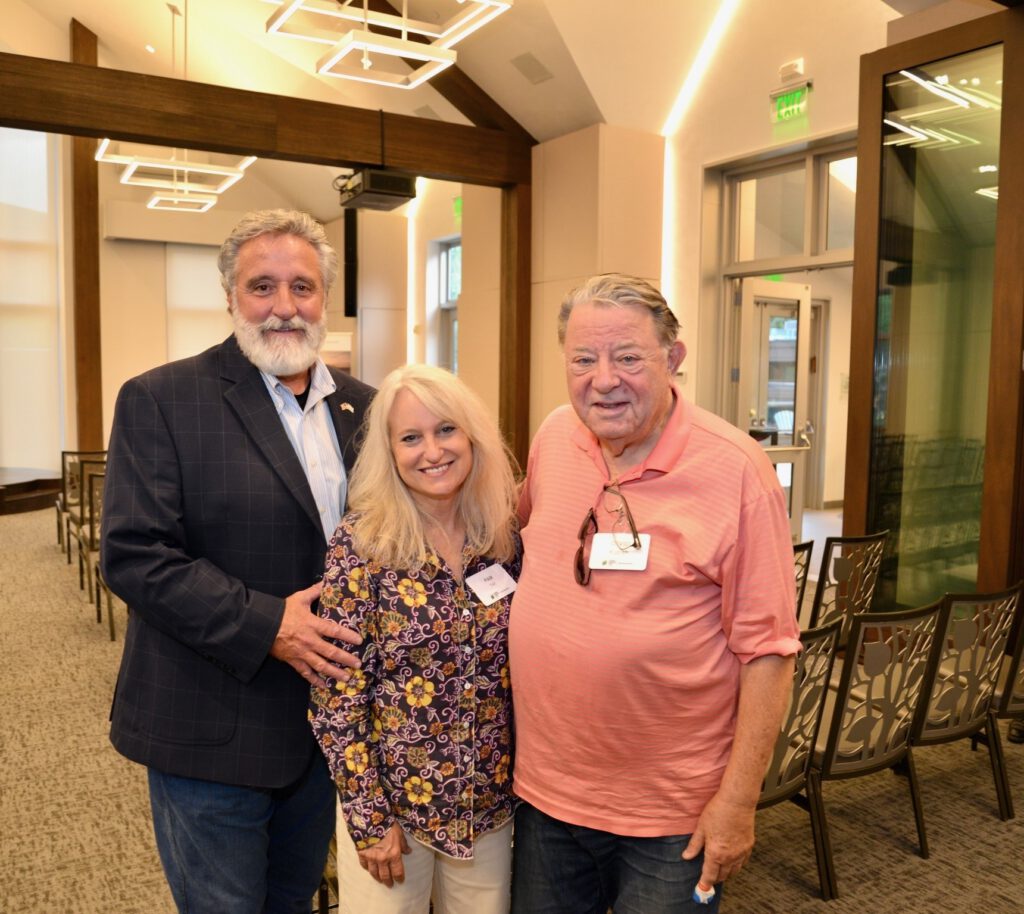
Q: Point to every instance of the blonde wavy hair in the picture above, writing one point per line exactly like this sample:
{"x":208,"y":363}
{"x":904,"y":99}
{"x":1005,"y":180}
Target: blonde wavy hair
{"x":388,"y":525}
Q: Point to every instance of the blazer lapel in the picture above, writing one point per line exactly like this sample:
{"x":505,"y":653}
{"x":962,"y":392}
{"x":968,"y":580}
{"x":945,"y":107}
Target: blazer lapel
{"x":346,"y":417}
{"x":252,"y":403}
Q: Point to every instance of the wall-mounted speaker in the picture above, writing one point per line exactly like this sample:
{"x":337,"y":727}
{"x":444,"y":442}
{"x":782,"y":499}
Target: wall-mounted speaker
{"x":350,"y":263}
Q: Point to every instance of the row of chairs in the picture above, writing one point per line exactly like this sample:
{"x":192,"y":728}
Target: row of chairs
{"x":79,"y":509}
{"x":900,"y":681}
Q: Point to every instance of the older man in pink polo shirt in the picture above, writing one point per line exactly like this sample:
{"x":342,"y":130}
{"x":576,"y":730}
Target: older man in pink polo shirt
{"x":653,"y":631}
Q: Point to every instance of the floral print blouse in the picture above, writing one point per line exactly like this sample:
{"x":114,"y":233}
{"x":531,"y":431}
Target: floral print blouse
{"x":421,"y":734}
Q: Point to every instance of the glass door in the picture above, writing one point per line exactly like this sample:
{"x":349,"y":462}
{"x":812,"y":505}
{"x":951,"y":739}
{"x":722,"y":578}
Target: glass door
{"x":935,"y":447}
{"x":774,"y":354}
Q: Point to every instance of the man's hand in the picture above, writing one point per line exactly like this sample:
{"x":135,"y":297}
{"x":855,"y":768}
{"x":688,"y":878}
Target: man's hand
{"x":725,"y":829}
{"x":383,"y":861}
{"x":725,"y":832}
{"x":302,"y":640}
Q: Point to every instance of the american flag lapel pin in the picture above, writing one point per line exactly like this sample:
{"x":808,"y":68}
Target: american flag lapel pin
{"x":347,"y":407}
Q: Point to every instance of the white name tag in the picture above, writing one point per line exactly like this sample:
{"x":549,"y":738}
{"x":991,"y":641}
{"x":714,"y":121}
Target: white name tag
{"x":606,"y":552}
{"x":491,"y":584}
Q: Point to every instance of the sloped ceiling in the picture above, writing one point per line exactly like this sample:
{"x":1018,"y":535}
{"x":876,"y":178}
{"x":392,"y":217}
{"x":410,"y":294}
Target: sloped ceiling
{"x":555,"y":66}
{"x":617,"y":62}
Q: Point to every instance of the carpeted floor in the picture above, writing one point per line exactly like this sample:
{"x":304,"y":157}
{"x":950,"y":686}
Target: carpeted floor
{"x":74,"y":821}
{"x":75,"y":834}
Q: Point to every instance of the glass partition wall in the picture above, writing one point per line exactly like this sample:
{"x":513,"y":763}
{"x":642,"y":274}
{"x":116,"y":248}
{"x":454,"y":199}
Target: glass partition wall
{"x":934,"y":436}
{"x":933,"y":327}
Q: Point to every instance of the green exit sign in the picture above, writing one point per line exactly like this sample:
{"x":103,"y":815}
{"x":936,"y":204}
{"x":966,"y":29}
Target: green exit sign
{"x":789,"y":103}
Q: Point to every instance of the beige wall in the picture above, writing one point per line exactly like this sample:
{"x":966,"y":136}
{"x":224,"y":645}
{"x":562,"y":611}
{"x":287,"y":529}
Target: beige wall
{"x":597,"y":197}
{"x":480,"y":301}
{"x":383,"y":293}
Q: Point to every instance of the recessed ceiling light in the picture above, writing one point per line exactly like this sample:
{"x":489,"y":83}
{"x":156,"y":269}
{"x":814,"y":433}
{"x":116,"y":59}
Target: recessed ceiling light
{"x":985,"y":169}
{"x":151,"y":49}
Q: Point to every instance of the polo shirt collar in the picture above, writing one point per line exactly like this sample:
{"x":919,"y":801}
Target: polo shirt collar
{"x":665,"y":454}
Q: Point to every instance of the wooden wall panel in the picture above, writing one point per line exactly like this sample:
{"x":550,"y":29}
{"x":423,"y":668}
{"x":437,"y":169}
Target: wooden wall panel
{"x":516,"y":290}
{"x":85,"y":284}
{"x":1001,"y":561}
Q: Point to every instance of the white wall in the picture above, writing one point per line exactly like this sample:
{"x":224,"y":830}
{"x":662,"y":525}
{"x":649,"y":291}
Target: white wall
{"x":26,"y":32}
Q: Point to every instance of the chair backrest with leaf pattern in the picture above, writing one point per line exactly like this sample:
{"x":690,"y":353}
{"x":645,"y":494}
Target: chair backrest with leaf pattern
{"x":965,"y":671}
{"x":847,"y":578}
{"x":880,"y":685}
{"x":787,"y":770}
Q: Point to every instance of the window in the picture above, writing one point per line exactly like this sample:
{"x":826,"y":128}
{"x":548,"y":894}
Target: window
{"x":787,"y":214}
{"x":30,"y":370}
{"x":449,"y":276}
{"x":840,"y":195}
{"x":197,"y":315}
{"x":770,"y":214}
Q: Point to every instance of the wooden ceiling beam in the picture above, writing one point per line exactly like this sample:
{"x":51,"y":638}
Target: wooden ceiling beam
{"x":58,"y":97}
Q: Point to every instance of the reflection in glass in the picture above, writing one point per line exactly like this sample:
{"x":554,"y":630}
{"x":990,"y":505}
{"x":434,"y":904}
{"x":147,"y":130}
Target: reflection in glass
{"x":770,"y":215}
{"x":933,"y":333}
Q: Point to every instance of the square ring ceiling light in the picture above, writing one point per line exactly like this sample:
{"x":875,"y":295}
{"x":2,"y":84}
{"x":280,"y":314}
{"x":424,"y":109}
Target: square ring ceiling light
{"x":353,"y":55}
{"x":181,"y":201}
{"x":192,"y":183}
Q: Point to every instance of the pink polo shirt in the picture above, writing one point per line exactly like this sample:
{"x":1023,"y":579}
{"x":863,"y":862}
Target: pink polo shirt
{"x":625,"y":691}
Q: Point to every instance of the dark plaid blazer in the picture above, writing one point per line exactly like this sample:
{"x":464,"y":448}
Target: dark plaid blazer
{"x":208,"y":524}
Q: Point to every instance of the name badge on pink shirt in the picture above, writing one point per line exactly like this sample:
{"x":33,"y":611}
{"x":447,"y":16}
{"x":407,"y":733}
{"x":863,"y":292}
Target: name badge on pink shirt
{"x":491,"y":584}
{"x":607,"y":552}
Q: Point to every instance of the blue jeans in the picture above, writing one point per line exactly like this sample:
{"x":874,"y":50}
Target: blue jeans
{"x":559,"y":868}
{"x":243,"y":850}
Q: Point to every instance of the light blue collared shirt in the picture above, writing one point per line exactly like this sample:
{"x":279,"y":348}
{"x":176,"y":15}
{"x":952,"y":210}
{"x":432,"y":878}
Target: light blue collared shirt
{"x":312,"y":434}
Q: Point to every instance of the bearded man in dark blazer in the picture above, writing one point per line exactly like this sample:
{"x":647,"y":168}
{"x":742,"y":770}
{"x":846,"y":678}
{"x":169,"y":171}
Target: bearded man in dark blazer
{"x":226,"y":476}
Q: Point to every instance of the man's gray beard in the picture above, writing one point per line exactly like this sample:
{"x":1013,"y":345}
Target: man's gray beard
{"x":281,"y":356}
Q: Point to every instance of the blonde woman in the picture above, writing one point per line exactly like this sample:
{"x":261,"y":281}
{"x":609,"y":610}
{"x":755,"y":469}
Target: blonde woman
{"x":419,"y":739}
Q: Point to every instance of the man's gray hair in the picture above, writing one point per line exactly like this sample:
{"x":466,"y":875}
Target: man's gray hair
{"x":276,"y":222}
{"x":622,"y":289}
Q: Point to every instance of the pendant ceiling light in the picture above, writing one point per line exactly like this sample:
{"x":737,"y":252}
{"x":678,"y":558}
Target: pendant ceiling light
{"x":365,"y":44}
{"x":182,"y":185}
